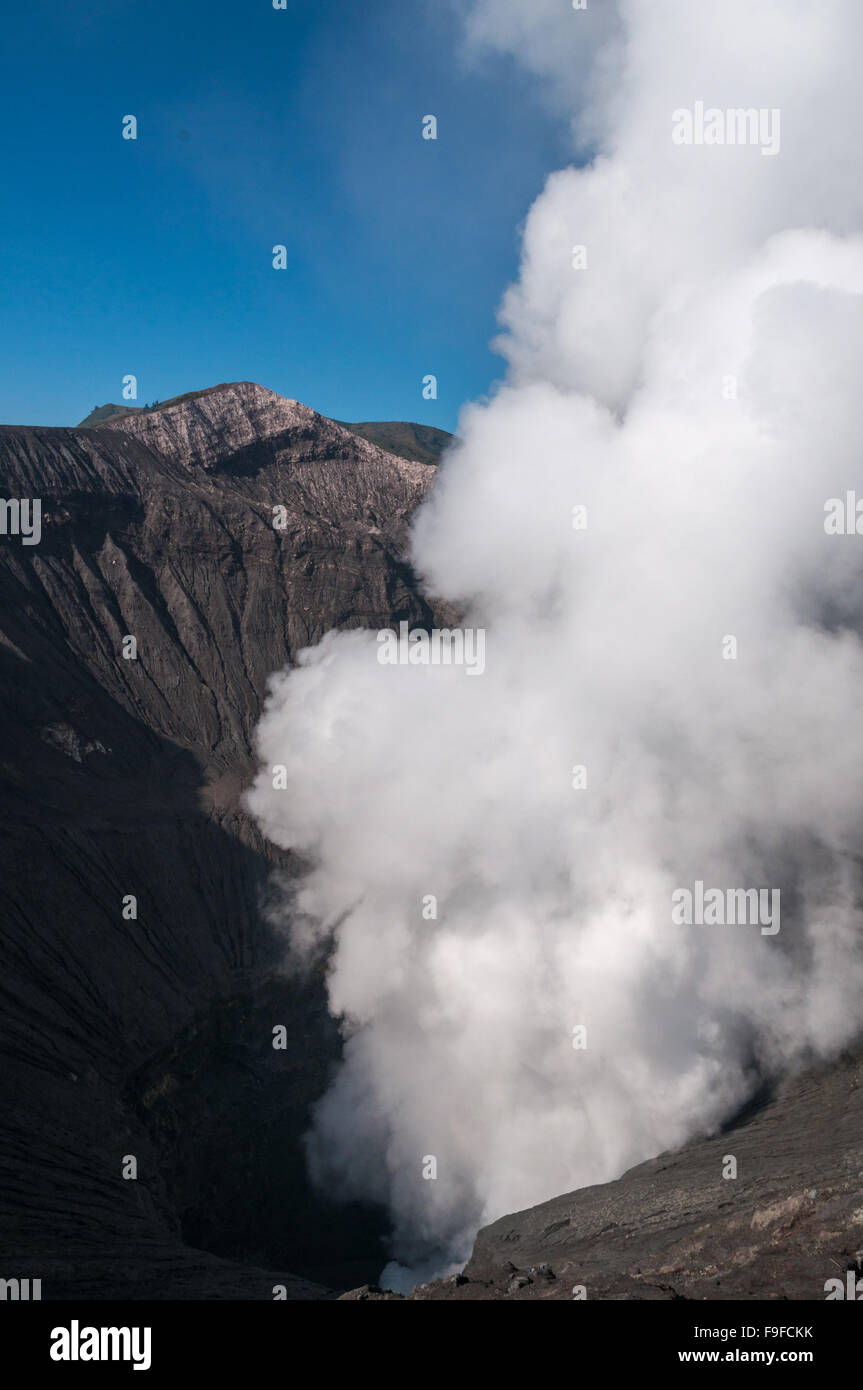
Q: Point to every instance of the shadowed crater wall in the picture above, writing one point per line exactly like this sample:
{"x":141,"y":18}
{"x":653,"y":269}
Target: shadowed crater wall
{"x":152,"y":1036}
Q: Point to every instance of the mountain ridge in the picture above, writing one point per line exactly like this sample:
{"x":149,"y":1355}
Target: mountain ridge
{"x":413,"y":442}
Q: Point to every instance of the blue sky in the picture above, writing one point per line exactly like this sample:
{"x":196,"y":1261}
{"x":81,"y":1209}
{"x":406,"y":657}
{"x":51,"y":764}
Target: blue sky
{"x":256,"y":127}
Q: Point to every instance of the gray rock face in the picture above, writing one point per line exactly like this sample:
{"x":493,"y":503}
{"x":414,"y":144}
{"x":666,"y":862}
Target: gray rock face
{"x":152,"y":1036}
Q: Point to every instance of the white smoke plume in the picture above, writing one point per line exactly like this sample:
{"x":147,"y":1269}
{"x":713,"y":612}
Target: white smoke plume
{"x":697,"y":388}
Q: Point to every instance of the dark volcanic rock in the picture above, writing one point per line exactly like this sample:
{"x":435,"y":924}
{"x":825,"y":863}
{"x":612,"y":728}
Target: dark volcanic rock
{"x":152,"y":1037}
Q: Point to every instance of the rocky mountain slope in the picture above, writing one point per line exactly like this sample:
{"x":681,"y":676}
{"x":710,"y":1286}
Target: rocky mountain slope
{"x":675,"y":1228}
{"x":152,"y":1037}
